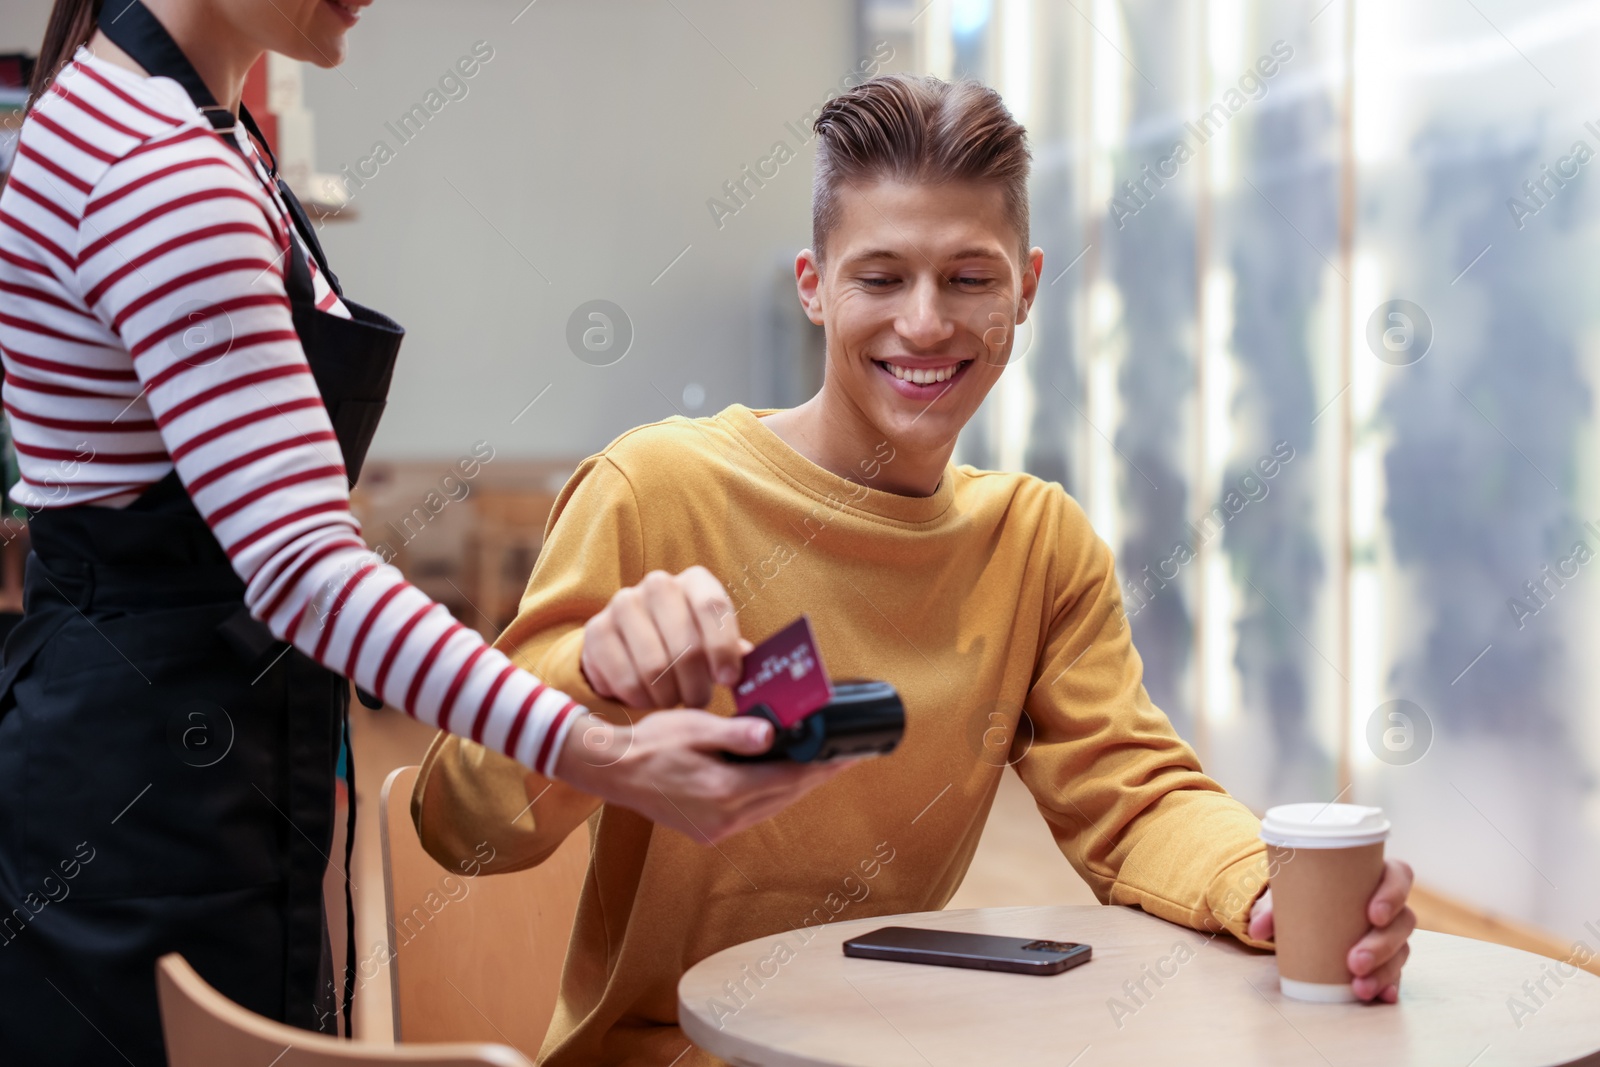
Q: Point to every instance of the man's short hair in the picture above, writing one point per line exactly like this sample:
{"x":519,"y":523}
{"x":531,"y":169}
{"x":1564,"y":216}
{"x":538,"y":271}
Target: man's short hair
{"x":917,"y":129}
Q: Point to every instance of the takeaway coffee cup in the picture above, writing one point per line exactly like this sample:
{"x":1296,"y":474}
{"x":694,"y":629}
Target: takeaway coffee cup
{"x":1324,"y":862}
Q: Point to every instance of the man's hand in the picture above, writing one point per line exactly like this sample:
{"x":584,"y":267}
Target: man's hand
{"x":1376,"y":959}
{"x":664,"y":642}
{"x":668,"y":768}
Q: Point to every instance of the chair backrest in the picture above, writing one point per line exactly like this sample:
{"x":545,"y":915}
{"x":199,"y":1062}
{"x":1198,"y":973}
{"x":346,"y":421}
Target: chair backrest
{"x":203,"y":1028}
{"x":507,"y":534}
{"x":473,"y":958}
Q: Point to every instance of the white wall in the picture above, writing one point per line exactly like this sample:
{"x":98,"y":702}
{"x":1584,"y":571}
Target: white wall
{"x":590,"y":143}
{"x":22,"y":24}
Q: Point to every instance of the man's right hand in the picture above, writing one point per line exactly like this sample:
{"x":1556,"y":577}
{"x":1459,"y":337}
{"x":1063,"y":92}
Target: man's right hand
{"x":664,"y":642}
{"x":668,"y":767}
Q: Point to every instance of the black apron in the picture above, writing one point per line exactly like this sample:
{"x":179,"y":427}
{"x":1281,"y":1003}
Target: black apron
{"x":167,"y":768}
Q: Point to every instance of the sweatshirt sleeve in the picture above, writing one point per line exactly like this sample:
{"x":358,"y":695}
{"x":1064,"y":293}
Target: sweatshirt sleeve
{"x":1123,"y":794}
{"x":181,"y":255}
{"x":465,"y":795}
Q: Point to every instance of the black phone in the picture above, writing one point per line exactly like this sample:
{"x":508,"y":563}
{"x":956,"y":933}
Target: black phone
{"x":983,"y":952}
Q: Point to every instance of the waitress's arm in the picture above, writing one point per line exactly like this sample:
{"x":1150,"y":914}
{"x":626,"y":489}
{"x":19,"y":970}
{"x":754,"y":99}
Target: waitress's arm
{"x":180,"y":254}
{"x":186,"y":265}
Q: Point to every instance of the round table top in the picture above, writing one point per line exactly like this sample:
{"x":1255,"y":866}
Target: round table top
{"x":1156,"y":991}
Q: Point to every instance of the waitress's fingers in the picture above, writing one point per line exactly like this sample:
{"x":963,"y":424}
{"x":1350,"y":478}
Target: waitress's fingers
{"x":783,"y":782}
{"x":649,"y":661}
{"x":719,"y":626}
{"x":668,"y":604}
{"x":789,"y":783}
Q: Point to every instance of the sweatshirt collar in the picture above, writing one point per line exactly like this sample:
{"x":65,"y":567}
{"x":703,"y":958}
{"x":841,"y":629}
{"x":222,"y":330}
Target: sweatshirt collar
{"x":860,"y":496}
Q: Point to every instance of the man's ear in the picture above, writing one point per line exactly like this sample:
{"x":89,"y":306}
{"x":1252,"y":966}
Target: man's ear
{"x":1030,"y":282}
{"x":808,"y":283}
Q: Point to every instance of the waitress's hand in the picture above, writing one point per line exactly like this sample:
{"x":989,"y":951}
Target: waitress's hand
{"x":668,"y":768}
{"x":664,"y":642}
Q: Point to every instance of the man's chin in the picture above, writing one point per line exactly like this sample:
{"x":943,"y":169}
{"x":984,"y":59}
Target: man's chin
{"x":920,"y":432}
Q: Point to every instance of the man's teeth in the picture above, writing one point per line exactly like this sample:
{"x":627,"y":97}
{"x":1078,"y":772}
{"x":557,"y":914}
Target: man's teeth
{"x":346,"y":8}
{"x":922,"y":376}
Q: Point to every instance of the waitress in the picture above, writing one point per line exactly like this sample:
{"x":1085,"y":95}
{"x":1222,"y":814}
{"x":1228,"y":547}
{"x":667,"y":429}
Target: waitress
{"x":191,"y":396}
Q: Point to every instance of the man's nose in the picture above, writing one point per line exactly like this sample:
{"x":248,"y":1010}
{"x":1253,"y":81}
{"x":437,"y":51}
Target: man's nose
{"x":924,"y":320}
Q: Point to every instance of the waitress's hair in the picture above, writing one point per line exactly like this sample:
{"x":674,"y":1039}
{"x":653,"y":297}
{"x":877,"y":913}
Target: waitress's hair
{"x":917,"y":129}
{"x":71,"y":24}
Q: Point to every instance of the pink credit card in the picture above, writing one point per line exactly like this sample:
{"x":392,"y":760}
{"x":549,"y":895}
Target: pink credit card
{"x":785,"y":673}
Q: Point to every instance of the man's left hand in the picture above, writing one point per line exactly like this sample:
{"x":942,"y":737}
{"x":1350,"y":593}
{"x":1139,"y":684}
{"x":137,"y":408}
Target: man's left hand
{"x":1376,"y":959}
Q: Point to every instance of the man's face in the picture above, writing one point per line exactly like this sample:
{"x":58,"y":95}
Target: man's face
{"x":920,"y":293}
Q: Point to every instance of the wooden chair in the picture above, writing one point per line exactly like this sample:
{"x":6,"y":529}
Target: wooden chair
{"x":204,"y":1028}
{"x":473,"y":958}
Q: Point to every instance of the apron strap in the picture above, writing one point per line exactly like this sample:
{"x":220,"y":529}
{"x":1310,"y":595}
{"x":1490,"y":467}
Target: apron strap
{"x":349,"y":997}
{"x":140,"y":34}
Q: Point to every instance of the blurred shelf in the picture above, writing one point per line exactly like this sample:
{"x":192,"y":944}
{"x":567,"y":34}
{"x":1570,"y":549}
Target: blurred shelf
{"x":322,"y":211}
{"x":323,"y":196}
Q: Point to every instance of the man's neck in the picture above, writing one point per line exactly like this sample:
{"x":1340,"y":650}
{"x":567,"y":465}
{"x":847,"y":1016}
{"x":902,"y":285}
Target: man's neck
{"x":218,"y":53}
{"x":831,"y":433}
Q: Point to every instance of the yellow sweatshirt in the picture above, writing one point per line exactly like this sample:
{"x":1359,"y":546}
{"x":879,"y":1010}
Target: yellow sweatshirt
{"x":991,"y":606}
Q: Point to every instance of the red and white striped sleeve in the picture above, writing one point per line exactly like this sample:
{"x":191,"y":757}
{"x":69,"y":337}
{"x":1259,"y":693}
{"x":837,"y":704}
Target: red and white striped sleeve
{"x":181,"y":254}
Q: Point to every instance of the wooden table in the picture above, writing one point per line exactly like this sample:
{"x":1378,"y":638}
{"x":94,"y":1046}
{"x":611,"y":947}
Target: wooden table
{"x":1204,"y":1000}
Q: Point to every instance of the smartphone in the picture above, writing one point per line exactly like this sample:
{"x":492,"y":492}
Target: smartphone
{"x":983,"y":952}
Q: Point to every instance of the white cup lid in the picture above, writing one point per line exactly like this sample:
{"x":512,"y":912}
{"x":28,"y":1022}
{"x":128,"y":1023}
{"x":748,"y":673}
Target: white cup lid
{"x":1317,"y":825}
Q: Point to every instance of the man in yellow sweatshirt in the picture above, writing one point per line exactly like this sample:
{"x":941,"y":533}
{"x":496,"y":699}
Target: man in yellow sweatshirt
{"x":984,"y":597}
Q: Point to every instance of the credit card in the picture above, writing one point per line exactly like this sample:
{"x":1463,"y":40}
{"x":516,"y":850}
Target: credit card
{"x":785,"y":673}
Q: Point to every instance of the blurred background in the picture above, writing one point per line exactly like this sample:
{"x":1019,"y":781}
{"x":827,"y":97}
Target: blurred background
{"x":1314,"y":346}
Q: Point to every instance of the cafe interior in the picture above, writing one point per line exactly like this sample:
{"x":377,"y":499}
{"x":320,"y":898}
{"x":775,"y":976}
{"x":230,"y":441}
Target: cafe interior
{"x":1345,"y":241}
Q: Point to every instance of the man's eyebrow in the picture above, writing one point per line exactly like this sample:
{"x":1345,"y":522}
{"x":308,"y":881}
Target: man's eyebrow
{"x":889,"y":253}
{"x":875,"y":253}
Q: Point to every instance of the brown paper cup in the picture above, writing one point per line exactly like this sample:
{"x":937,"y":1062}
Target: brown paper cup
{"x":1321,"y":885}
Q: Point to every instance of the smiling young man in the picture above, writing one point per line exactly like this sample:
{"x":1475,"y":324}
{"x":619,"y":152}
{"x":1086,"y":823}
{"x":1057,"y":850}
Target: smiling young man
{"x":984,"y":597}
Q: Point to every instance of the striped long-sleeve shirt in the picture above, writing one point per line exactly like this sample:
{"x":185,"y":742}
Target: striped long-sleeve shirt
{"x":144,"y":325}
